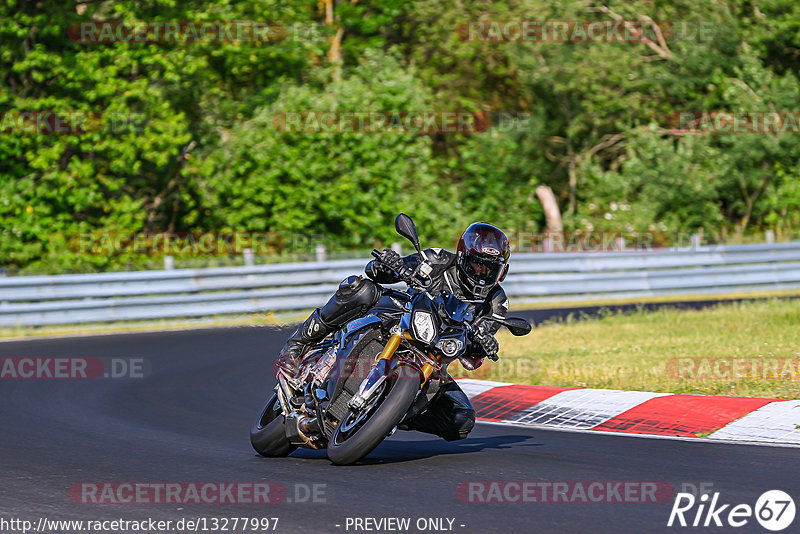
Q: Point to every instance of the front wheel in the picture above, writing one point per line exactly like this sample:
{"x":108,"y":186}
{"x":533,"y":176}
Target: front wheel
{"x":358,"y":433}
{"x":268,"y":434}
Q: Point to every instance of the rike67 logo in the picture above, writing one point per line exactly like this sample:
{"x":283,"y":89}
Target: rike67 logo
{"x":774,"y":510}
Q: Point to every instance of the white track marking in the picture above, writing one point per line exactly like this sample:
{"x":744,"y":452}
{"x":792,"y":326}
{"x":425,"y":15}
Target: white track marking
{"x":776,"y":424}
{"x":475,"y":387}
{"x":773,"y":422}
{"x":634,"y":435}
{"x":583,"y":408}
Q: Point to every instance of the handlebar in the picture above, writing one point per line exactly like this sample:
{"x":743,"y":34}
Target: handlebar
{"x":407,"y":275}
{"x":475,"y":328}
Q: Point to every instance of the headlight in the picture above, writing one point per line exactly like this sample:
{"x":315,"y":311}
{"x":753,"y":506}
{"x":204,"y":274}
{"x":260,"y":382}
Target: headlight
{"x":450,"y":347}
{"x":423,"y":326}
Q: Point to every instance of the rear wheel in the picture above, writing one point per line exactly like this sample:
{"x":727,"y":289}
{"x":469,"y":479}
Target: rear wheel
{"x":268,"y":434}
{"x":358,"y":433}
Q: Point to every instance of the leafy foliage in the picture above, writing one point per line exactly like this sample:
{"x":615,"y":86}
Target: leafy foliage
{"x":188,"y":143}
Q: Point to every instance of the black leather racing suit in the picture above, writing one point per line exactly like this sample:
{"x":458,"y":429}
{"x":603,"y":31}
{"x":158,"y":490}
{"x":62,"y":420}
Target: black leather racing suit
{"x":444,"y":277}
{"x":452,"y":415}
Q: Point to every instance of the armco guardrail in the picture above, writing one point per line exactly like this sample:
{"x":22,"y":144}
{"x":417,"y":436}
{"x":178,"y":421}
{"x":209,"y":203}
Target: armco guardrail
{"x":80,"y":298}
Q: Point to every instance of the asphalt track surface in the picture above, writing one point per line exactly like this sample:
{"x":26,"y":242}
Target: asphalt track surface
{"x":188,"y":420}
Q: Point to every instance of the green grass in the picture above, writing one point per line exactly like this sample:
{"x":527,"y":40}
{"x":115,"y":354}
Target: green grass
{"x":617,"y":351}
{"x":633,"y":351}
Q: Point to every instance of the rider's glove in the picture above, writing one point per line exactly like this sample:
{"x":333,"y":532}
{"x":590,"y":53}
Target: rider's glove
{"x":392,"y":260}
{"x":488,"y":343}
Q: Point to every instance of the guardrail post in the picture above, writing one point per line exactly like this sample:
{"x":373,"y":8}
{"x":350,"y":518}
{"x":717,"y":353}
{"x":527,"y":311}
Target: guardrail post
{"x":2,"y":271}
{"x":169,"y":263}
{"x":695,"y":241}
{"x":249,"y":257}
{"x":319,"y":252}
{"x":620,"y":244}
{"x":397,"y":247}
{"x":770,"y":236}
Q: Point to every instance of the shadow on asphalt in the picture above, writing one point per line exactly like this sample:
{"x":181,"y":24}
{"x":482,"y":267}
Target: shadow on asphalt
{"x":395,"y":451}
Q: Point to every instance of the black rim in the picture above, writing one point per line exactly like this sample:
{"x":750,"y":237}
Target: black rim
{"x":352,"y":422}
{"x":267,"y":417}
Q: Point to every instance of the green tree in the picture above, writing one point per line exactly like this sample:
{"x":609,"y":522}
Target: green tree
{"x":345,"y":184}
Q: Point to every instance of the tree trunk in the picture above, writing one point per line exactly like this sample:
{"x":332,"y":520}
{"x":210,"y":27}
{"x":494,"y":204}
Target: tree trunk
{"x":552,"y":214}
{"x":335,"y":51}
{"x":573,"y":186}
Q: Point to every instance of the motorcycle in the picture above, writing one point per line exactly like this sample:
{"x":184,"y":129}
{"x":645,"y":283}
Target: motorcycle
{"x":356,"y":386}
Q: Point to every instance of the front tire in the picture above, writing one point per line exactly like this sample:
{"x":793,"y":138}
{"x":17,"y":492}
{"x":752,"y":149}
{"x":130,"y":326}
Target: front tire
{"x":346,"y":449}
{"x":268,"y":434}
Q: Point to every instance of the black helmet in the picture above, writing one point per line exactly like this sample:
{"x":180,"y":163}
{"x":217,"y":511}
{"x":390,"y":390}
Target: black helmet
{"x":482,"y":258}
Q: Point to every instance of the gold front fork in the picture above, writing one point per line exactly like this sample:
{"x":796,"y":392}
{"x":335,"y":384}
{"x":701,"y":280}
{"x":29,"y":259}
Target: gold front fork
{"x":390,"y":347}
{"x":427,"y":369}
{"x":389,"y":350}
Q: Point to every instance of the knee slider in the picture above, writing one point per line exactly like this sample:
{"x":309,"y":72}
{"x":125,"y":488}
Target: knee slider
{"x":464,"y":421}
{"x":462,"y":424}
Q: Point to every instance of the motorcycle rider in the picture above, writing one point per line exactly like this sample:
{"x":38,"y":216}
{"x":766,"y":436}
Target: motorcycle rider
{"x":472,"y":274}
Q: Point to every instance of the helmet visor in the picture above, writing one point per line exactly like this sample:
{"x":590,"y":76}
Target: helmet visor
{"x":483,"y":271}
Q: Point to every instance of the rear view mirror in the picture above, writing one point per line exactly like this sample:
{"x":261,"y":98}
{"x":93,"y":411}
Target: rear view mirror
{"x":406,"y":228}
{"x":517,"y":326}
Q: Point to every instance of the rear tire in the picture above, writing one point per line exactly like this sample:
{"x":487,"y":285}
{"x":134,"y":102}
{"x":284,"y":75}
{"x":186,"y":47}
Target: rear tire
{"x":378,"y":425}
{"x":268,"y":434}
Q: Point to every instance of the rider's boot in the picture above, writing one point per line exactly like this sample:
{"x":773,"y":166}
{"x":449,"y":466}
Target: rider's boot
{"x":353,"y":298}
{"x":311,"y":331}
